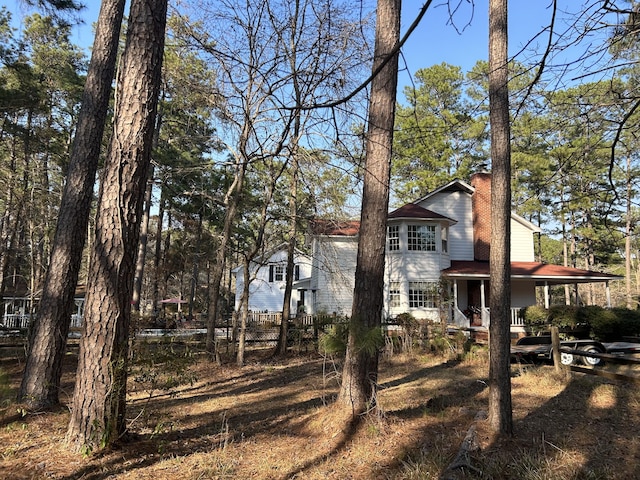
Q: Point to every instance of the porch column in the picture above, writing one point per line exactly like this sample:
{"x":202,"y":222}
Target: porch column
{"x":608,"y":290}
{"x":455,"y":293}
{"x":546,"y":295}
{"x":483,"y":303}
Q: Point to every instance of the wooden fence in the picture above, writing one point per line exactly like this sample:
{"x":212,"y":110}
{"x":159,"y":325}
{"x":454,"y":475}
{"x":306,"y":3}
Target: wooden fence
{"x":601,"y":372}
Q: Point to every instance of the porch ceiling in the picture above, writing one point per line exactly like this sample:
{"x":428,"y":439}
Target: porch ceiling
{"x":540,"y":272}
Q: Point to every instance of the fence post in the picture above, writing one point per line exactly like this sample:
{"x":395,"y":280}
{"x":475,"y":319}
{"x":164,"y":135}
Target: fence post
{"x":555,"y":348}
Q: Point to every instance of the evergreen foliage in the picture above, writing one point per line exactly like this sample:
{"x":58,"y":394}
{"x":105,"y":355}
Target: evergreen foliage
{"x":604,"y":324}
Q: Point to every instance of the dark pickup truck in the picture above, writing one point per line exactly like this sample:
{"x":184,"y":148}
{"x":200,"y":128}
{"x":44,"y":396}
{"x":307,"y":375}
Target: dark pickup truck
{"x":540,"y":347}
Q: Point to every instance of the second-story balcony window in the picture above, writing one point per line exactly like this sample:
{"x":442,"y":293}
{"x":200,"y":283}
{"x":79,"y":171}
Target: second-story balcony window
{"x":421,"y":238}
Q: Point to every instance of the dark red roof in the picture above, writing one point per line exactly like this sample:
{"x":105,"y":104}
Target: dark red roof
{"x":345,"y":228}
{"x":541,"y":272}
{"x":352,"y":227}
{"x":411,"y":210}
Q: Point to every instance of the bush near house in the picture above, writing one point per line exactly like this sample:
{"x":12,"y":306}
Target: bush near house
{"x":604,"y":324}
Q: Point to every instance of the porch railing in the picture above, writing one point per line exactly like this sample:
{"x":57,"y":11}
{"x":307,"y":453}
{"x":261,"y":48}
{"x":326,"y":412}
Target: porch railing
{"x":15,"y":320}
{"x":516,"y":319}
{"x":461,"y":320}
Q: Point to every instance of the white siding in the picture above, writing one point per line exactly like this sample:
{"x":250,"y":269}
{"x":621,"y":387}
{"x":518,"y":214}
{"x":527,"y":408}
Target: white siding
{"x":265,"y":295}
{"x":457,"y":206}
{"x":521,"y":242}
{"x":333,"y":276}
{"x":405,"y":266}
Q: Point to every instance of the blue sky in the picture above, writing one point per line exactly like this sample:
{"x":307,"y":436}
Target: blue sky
{"x":435,"y":40}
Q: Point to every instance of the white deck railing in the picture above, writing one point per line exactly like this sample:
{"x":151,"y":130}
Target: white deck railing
{"x":16,"y":320}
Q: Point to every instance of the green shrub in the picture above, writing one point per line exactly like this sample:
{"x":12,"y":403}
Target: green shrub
{"x":604,"y":324}
{"x":610,"y":325}
{"x":333,"y":340}
{"x":564,"y":317}
{"x":440,"y":345}
{"x":536,"y":317}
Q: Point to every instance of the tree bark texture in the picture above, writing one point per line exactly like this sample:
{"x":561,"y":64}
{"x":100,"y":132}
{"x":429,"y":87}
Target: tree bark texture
{"x":98,"y":413}
{"x":41,"y":379}
{"x":500,"y":413}
{"x":360,"y":372}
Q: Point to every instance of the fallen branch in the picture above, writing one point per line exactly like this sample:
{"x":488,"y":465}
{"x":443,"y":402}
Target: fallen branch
{"x":462,"y":461}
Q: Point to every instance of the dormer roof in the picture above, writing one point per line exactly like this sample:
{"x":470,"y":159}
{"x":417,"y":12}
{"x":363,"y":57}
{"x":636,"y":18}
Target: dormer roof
{"x":413,"y":211}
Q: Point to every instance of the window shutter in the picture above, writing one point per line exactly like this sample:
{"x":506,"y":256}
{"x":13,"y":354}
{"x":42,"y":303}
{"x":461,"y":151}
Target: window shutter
{"x":270,"y":273}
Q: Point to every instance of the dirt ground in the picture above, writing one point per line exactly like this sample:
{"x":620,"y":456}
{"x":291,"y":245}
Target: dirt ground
{"x":274,"y":420}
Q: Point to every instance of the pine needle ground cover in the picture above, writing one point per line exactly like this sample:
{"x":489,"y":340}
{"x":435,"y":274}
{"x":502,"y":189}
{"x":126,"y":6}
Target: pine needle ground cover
{"x":274,"y":420}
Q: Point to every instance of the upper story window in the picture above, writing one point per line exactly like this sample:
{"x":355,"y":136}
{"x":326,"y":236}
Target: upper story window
{"x":276,"y":273}
{"x":393,"y":238}
{"x":444,"y":233}
{"x":421,"y":238}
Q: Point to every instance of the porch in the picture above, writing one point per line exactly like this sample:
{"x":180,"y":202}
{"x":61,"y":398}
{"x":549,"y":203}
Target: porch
{"x":462,"y":320}
{"x":470,"y":285}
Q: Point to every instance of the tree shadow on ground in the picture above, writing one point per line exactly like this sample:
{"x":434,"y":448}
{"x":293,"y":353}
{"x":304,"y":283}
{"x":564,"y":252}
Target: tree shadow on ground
{"x":579,"y":427}
{"x":276,"y":413}
{"x":214,"y":428}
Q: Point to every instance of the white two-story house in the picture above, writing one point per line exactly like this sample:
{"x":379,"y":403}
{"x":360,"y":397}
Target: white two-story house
{"x":437,"y":248}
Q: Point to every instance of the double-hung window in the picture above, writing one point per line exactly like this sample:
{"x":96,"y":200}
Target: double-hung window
{"x":445,"y":239}
{"x":393,"y":238}
{"x":276,"y":273}
{"x":394,"y":294}
{"x":421,"y":238}
{"x":423,"y":294}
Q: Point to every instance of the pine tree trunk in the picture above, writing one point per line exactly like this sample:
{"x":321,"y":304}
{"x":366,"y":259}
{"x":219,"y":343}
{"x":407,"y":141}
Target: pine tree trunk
{"x":360,"y":372}
{"x":628,"y":230}
{"x":99,"y":401}
{"x":41,"y":380}
{"x":500,"y":414}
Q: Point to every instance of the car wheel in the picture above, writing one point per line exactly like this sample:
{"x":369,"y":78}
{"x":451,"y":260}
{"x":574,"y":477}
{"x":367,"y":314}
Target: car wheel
{"x":592,"y":361}
{"x":566,"y":358}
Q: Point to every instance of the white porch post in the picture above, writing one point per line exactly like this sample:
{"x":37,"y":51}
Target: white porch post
{"x":546,"y":294}
{"x":455,"y":293}
{"x":483,"y":303}
{"x":608,"y":290}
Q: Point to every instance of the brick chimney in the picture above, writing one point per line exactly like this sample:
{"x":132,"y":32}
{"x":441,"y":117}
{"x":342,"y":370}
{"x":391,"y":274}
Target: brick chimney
{"x":481,"y":210}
